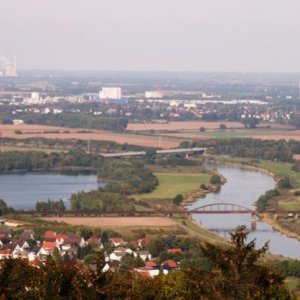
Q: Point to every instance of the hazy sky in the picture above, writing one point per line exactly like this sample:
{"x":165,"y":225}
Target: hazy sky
{"x":169,"y":35}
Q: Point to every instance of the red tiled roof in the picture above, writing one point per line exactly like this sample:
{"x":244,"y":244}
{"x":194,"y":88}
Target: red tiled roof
{"x":117,"y":240}
{"x":50,"y":235}
{"x":146,"y":240}
{"x":3,"y":235}
{"x":143,"y":273}
{"x":170,"y":263}
{"x":48,"y":245}
{"x":5,"y":251}
{"x":175,"y":250}
{"x":150,"y":264}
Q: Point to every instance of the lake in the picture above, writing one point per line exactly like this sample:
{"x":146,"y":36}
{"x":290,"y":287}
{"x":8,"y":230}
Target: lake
{"x":23,"y":190}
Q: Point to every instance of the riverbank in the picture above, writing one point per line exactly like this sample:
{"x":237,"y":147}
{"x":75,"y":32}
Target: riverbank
{"x":231,"y":162}
{"x":276,"y":226}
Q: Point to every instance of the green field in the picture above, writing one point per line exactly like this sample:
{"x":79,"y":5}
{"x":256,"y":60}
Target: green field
{"x":284,"y":170}
{"x":171,"y":184}
{"x":293,"y":283}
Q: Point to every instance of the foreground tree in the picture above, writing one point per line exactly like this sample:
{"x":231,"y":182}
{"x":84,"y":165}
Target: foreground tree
{"x":239,"y":274}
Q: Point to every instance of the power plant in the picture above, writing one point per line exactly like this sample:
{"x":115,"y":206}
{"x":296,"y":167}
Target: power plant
{"x":8,"y":68}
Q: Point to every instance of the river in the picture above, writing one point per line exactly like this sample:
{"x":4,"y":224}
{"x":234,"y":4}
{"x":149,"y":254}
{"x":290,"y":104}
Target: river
{"x":23,"y":190}
{"x":243,"y":187}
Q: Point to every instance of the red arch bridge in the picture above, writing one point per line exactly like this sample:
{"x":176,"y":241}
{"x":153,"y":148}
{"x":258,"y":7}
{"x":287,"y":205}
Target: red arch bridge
{"x":213,"y":208}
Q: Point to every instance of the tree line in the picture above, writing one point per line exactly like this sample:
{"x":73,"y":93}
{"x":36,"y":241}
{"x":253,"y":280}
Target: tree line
{"x":252,"y":148}
{"x":39,"y":160}
{"x":76,"y":120}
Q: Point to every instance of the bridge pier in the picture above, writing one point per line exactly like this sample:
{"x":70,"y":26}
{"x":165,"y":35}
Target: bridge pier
{"x":253,"y":222}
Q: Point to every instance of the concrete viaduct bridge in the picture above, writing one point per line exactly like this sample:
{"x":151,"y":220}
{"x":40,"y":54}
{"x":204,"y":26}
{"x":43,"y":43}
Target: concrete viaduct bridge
{"x":185,"y":151}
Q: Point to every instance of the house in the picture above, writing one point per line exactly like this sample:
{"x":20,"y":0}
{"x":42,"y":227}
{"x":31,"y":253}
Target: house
{"x":151,"y":264}
{"x":147,"y":271}
{"x":117,"y":241}
{"x":50,"y":235}
{"x":33,"y":253}
{"x":175,"y":250}
{"x":169,"y":264}
{"x":27,"y":234}
{"x":5,"y":253}
{"x":23,"y":244}
{"x":141,"y":243}
{"x":5,"y":235}
{"x":47,"y":248}
{"x":95,"y":241}
{"x":145,"y":255}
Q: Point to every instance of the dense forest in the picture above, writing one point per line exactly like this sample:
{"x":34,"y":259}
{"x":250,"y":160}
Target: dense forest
{"x":123,"y":179}
{"x":38,"y":160}
{"x":252,"y":148}
{"x":77,"y":120}
{"x":235,"y":273}
{"x":127,"y":178}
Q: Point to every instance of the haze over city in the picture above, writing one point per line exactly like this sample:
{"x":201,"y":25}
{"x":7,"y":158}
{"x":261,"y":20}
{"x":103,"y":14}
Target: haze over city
{"x":169,"y":35}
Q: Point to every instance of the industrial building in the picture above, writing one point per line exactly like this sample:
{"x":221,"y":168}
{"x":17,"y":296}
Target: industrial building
{"x":8,"y":68}
{"x":110,"y":93}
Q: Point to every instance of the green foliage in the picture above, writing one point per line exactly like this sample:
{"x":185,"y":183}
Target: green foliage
{"x":38,"y":160}
{"x":4,"y":209}
{"x":252,"y":148}
{"x":84,"y":251}
{"x":284,"y":183}
{"x":215,"y":179}
{"x":100,"y":201}
{"x":286,"y":267}
{"x":222,"y":127}
{"x":129,"y":261}
{"x":82,"y":120}
{"x":263,"y":201}
{"x":50,"y":205}
{"x":231,"y":273}
{"x":128,"y":177}
{"x":178,"y":199}
{"x":250,"y":122}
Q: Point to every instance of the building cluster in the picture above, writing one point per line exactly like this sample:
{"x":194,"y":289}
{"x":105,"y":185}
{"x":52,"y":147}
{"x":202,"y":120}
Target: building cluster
{"x":28,"y":247}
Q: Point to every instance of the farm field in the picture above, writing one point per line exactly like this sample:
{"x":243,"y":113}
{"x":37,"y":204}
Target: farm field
{"x":258,"y":133}
{"x":171,"y":184}
{"x":184,"y":125}
{"x":72,"y":133}
{"x":115,"y":222}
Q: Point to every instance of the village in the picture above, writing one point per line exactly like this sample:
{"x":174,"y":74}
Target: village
{"x":118,"y":253}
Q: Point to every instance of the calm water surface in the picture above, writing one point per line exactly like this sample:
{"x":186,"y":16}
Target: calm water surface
{"x":243,"y":187}
{"x":22,"y":191}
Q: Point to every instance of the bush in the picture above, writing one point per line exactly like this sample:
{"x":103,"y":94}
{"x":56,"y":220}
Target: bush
{"x":203,"y":186}
{"x":222,"y":127}
{"x":215,"y":179}
{"x":284,"y":183}
{"x":178,"y":199}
